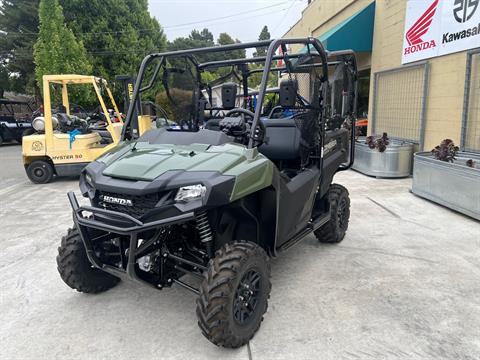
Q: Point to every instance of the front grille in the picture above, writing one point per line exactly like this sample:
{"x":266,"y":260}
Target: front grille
{"x":135,"y":206}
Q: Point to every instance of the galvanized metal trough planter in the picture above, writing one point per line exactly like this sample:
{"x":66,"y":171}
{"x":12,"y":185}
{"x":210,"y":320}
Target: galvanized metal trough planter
{"x":394,"y":162}
{"x":454,"y":185}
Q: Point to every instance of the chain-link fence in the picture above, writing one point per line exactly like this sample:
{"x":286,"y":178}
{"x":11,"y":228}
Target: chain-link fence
{"x":471,"y":111}
{"x":399,"y":101}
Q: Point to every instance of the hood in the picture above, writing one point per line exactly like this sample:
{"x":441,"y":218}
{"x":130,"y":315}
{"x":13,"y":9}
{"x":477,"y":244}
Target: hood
{"x":144,"y":161}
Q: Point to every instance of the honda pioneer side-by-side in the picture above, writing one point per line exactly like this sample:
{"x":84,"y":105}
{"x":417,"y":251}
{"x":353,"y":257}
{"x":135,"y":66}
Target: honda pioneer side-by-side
{"x":205,"y":204}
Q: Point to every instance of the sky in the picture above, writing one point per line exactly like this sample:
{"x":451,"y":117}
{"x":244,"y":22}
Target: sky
{"x":242,"y":19}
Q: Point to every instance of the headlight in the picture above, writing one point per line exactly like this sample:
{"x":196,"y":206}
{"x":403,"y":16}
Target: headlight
{"x":190,"y":193}
{"x":86,"y":186}
{"x":88,"y":179}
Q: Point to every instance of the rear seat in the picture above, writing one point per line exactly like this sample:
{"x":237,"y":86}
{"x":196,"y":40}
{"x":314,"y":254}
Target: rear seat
{"x":282,"y":136}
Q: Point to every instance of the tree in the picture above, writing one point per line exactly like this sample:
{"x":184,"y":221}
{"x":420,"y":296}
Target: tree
{"x":4,"y":81}
{"x":57,"y":51}
{"x":18,"y":33}
{"x":116,"y":40}
{"x":202,"y":36}
{"x":196,"y":39}
{"x":117,"y":34}
{"x":225,"y":39}
{"x":264,"y":35}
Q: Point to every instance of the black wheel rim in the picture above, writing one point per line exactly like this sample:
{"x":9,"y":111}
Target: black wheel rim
{"x":342,"y":213}
{"x":38,"y":172}
{"x":246,"y":297}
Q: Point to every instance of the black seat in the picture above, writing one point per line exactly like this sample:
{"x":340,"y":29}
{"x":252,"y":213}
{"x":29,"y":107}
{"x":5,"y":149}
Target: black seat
{"x":282,"y":134}
{"x":282,"y":139}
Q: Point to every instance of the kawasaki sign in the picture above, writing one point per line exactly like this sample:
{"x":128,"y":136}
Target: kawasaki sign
{"x":440,"y":27}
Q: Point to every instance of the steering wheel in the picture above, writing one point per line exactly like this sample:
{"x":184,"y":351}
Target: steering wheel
{"x":240,"y":111}
{"x":259,"y":133}
{"x":276,"y":109}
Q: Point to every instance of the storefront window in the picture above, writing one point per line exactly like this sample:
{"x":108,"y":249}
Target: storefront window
{"x":363,"y":93}
{"x":471,"y":127}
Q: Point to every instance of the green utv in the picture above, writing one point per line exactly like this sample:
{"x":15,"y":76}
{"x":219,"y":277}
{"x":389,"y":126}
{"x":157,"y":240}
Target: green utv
{"x":245,"y":174}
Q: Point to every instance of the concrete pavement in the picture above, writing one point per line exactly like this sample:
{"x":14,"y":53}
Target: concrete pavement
{"x":404,"y":284}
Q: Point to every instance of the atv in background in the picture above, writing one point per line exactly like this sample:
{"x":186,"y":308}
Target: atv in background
{"x":226,"y":189}
{"x":15,"y":124}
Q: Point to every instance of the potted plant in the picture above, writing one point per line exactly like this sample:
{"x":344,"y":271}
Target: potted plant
{"x":382,"y":157}
{"x":449,"y":177}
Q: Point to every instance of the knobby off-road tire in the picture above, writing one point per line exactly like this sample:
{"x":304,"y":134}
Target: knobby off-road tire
{"x":40,"y":172}
{"x":334,"y":231}
{"x":234,"y":294}
{"x":76,"y":270}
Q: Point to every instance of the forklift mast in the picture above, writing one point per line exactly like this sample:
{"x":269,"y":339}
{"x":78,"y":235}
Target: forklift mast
{"x":128,"y":83}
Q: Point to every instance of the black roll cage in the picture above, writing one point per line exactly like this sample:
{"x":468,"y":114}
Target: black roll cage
{"x":272,"y":45}
{"x":8,"y":105}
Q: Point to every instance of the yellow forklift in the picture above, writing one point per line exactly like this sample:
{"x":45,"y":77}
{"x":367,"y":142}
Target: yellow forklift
{"x":65,"y":142}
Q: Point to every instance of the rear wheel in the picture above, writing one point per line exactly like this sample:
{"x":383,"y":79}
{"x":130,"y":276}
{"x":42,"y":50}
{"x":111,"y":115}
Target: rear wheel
{"x":76,"y":270}
{"x":234,"y":294}
{"x":334,"y":231}
{"x":40,"y":172}
{"x":1,"y":140}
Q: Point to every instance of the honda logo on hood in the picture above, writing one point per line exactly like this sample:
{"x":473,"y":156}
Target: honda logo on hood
{"x":116,"y":200}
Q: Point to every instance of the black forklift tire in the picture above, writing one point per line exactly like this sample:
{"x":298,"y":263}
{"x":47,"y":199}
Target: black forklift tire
{"x":76,"y":270}
{"x":1,"y":140}
{"x":234,"y":294}
{"x":334,"y":231}
{"x":40,"y":172}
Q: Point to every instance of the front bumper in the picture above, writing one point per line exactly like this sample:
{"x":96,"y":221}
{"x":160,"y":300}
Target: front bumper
{"x":128,"y":226}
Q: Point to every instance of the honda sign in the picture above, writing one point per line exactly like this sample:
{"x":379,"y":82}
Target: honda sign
{"x":440,"y":27}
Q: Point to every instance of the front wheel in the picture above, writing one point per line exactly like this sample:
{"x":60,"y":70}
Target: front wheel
{"x":76,"y":270}
{"x":40,"y":172}
{"x":334,"y":231}
{"x":234,"y":294}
